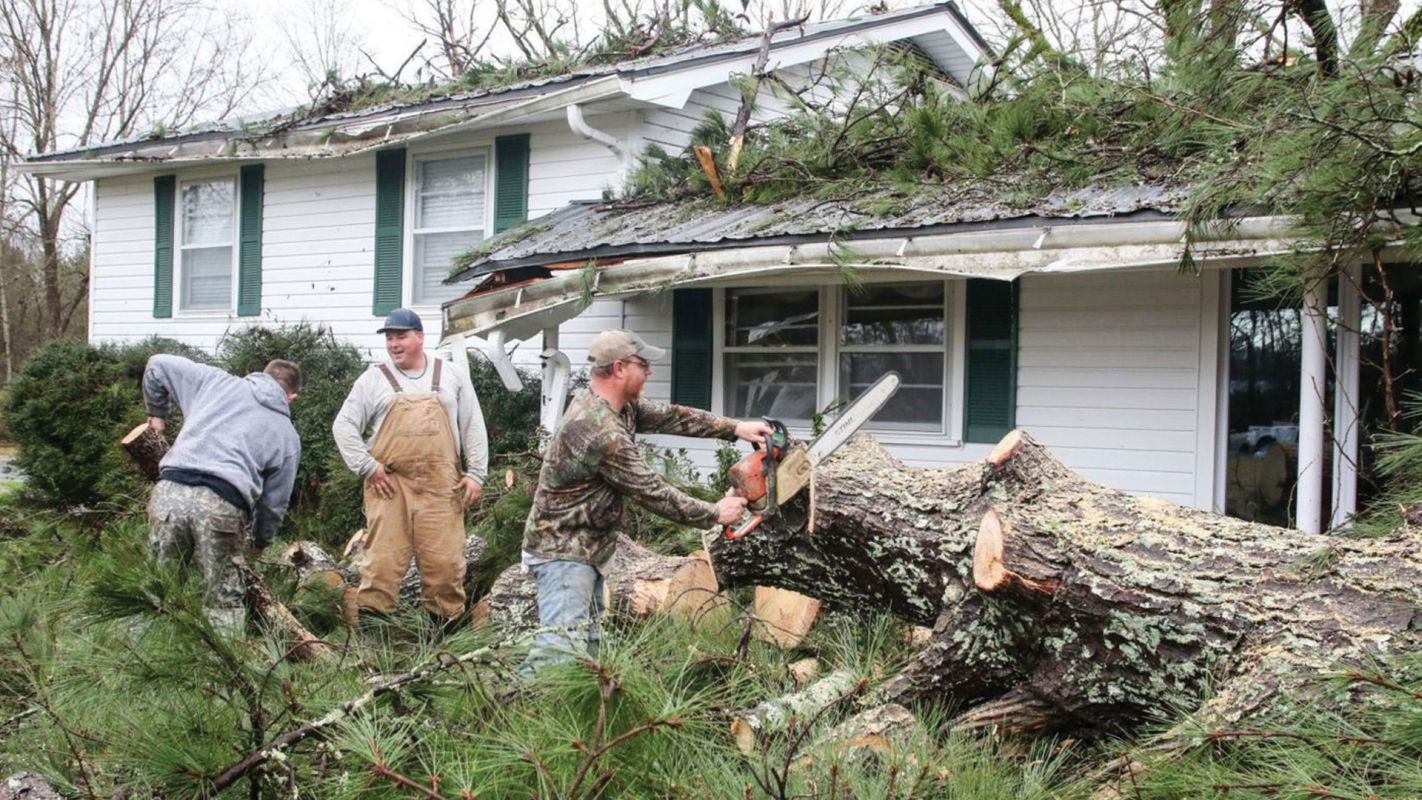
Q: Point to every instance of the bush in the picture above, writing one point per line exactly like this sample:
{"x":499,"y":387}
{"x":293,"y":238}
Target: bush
{"x":510,"y":417}
{"x":328,"y":369}
{"x":67,"y":410}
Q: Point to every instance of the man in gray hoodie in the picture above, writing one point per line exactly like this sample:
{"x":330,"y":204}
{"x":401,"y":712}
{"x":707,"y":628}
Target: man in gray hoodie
{"x":230,"y":471}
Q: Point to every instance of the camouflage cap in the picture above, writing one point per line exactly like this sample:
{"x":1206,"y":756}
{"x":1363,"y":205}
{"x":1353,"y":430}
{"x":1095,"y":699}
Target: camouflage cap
{"x":610,"y":346}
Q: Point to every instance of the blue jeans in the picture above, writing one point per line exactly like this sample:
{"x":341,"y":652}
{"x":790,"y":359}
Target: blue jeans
{"x":569,"y":613}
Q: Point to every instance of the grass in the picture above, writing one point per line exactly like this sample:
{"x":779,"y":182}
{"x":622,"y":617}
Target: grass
{"x":110,"y":678}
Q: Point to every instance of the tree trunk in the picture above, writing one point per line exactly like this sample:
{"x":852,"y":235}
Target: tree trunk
{"x":1082,"y":607}
{"x":147,"y":447}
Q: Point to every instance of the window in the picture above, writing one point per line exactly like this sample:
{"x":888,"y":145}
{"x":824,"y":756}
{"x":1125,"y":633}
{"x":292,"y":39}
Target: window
{"x":777,"y":341}
{"x":897,"y":327}
{"x":449,"y":212}
{"x":772,"y":353}
{"x":206,"y":217}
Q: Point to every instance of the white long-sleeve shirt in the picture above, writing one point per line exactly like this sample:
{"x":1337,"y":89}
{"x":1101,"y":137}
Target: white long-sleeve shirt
{"x":367,"y":404}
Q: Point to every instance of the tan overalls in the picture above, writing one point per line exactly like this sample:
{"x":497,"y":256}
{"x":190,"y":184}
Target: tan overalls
{"x":417,"y":446}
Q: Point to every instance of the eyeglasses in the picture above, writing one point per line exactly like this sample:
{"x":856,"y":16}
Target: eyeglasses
{"x":646,"y":367}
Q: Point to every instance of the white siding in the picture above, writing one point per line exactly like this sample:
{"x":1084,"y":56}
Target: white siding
{"x":318,"y":240}
{"x":1109,"y":374}
{"x":1110,"y":377}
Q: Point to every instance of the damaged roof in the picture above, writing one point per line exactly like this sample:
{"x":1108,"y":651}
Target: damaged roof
{"x":588,"y":231}
{"x":272,"y":134}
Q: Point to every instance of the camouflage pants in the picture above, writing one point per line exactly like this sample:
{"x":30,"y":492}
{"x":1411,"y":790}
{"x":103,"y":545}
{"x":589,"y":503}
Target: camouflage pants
{"x":192,"y":526}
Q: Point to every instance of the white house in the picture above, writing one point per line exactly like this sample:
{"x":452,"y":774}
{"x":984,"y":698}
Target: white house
{"x":1070,"y":319}
{"x":337,"y":218}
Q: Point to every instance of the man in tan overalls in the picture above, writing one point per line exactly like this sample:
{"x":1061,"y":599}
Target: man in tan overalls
{"x":421,"y":417}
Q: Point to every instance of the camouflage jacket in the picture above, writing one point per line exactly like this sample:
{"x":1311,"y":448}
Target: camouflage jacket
{"x":593,"y":460}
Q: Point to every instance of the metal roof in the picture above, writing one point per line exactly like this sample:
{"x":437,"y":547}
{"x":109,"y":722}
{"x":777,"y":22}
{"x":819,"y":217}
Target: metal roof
{"x":256,"y":126}
{"x":590,"y":230}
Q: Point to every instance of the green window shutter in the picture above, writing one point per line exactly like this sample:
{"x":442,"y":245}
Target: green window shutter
{"x":990,"y":398}
{"x":389,"y":230}
{"x":164,"y":190}
{"x":510,"y":181}
{"x":249,"y":242}
{"x":691,"y":348}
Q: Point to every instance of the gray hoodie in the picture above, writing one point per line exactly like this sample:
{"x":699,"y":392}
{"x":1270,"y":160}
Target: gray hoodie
{"x":236,"y":429}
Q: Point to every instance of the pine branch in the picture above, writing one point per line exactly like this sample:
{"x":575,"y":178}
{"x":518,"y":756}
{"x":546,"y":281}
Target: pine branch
{"x":344,"y":711}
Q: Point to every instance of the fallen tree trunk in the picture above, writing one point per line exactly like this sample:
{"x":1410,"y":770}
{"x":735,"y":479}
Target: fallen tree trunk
{"x":1078,"y":606}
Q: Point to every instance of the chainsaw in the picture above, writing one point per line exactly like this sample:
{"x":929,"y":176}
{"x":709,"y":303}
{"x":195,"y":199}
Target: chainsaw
{"x":779,"y":469}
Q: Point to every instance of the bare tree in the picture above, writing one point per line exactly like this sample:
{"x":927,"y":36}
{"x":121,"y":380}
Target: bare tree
{"x":79,"y":72}
{"x":323,"y":43}
{"x":456,"y":26}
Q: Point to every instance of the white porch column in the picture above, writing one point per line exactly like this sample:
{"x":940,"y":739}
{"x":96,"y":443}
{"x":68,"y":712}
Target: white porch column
{"x":1313,"y":382}
{"x":556,"y":372}
{"x":1345,"y":396}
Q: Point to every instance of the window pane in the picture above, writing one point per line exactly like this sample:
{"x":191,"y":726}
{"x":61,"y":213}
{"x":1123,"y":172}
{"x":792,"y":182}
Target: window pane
{"x":917,"y":405}
{"x":207,"y":277}
{"x":894,"y":314}
{"x":780,"y":385}
{"x":434,"y":254}
{"x":450,"y":193}
{"x":772,"y":319}
{"x":207,"y":212}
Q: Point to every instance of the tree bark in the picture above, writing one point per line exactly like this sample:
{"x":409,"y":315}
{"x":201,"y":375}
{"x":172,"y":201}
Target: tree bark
{"x":775,"y":715}
{"x":1082,"y":607}
{"x":147,"y":447}
{"x":275,"y":613}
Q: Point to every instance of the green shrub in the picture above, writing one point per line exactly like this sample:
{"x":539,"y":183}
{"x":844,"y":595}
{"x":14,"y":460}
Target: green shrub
{"x":510,"y":417}
{"x":328,"y":368}
{"x":67,"y":411}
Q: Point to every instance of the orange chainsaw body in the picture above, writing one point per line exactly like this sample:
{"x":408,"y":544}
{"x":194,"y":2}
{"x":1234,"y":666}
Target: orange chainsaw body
{"x":748,"y":478}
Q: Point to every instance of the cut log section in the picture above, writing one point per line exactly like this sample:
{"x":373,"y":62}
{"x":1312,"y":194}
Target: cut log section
{"x":775,"y":715}
{"x":804,"y":671}
{"x":1075,"y":606}
{"x":146,"y":447}
{"x":315,"y":567}
{"x":782,"y":617}
{"x":641,"y":582}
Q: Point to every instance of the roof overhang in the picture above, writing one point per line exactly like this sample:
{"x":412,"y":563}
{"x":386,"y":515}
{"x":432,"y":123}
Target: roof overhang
{"x":662,"y":81}
{"x":328,"y":140}
{"x":522,"y":310}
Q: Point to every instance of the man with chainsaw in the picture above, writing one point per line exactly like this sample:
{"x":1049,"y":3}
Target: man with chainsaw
{"x":422,"y":417}
{"x":591,"y":463}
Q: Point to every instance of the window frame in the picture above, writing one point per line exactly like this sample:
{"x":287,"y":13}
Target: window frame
{"x":834,"y":299}
{"x":180,"y":250}
{"x":412,"y":171}
{"x":718,"y":373}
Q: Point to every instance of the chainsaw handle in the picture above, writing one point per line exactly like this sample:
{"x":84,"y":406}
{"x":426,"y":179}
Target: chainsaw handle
{"x":733,"y":534}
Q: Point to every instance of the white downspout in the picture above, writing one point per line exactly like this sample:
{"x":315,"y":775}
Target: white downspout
{"x":580,"y":127}
{"x":1313,"y":383}
{"x":1345,"y":397}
